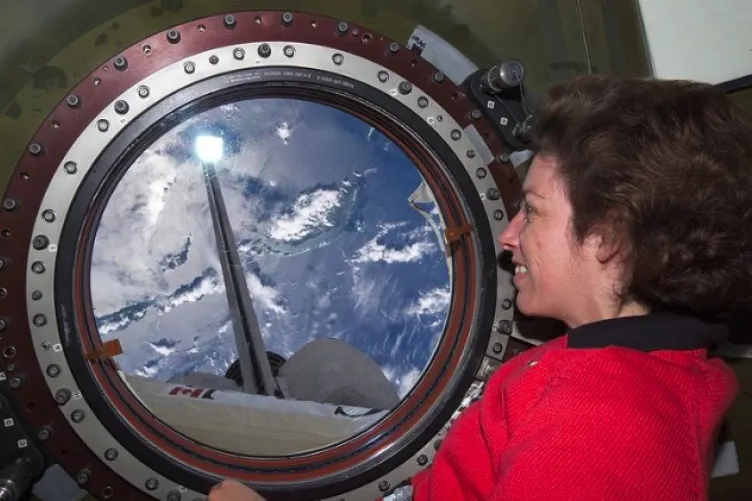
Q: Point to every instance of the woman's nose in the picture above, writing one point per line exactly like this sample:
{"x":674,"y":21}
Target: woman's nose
{"x":510,"y":237}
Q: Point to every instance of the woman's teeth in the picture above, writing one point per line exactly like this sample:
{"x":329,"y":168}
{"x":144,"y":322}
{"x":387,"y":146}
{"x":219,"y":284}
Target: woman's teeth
{"x":520,"y":269}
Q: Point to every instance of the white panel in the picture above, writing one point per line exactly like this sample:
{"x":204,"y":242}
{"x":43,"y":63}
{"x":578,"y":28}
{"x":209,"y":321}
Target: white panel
{"x":703,"y":40}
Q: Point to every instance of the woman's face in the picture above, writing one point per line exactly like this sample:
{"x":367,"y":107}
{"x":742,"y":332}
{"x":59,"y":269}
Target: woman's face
{"x":554,"y":275}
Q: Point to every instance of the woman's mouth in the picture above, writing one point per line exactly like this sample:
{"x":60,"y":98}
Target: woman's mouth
{"x":520,"y":269}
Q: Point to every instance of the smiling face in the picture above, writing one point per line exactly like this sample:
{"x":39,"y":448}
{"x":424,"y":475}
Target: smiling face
{"x":555,"y":276}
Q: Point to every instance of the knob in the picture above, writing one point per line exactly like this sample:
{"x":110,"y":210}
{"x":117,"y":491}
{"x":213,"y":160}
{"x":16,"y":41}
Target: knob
{"x":506,"y":75}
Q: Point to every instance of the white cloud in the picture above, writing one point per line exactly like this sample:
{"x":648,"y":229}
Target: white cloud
{"x":403,"y":378}
{"x":433,"y":302}
{"x":310,"y":212}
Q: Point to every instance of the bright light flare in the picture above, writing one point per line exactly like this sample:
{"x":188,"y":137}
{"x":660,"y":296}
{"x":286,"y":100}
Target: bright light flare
{"x":209,"y":149}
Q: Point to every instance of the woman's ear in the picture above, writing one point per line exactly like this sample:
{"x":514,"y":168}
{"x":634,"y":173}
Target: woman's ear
{"x":607,"y":240}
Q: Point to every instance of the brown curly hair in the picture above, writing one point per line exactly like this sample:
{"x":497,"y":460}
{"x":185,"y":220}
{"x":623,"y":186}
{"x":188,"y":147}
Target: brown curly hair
{"x":667,"y":167}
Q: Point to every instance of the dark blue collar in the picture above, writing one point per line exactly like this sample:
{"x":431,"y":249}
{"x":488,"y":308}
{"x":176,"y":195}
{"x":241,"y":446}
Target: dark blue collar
{"x":656,"y":331}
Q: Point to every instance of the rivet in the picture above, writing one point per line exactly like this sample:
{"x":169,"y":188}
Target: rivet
{"x":38,"y":267}
{"x":120,"y":63}
{"x":470,"y":153}
{"x":264,"y":50}
{"x":289,"y":50}
{"x":77,"y":416}
{"x":151,"y":484}
{"x":497,"y":347}
{"x":498,"y":214}
{"x":49,"y":215}
{"x":53,"y":370}
{"x":36,"y":295}
{"x":342,"y":28}
{"x":111,"y":454}
{"x":103,"y":125}
{"x":121,"y":107}
{"x":39,"y":320}
{"x":504,"y":327}
{"x":456,"y":135}
{"x":422,"y":102}
{"x":230,"y":21}
{"x":480,"y":172}
{"x":493,"y":194}
{"x":287,"y":18}
{"x":189,"y":67}
{"x":44,"y":433}
{"x":70,"y":167}
{"x":62,"y":396}
{"x":173,"y":36}
{"x":405,"y":87}
{"x":83,"y":477}
{"x":506,"y":304}
{"x":36,"y":150}
{"x":338,"y":59}
{"x":422,"y":460}
{"x":10,"y":204}
{"x":143,"y":91}
{"x":475,"y":115}
{"x":383,"y":76}
{"x":438,"y":77}
{"x":238,"y":54}
{"x":394,"y":48}
{"x":384,"y":486}
{"x":73,"y":101}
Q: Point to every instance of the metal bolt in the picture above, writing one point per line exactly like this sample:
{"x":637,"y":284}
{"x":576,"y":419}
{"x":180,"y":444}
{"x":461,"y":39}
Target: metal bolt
{"x":103,"y":125}
{"x":173,"y":36}
{"x":264,"y":50}
{"x":383,"y":76}
{"x":497,"y":347}
{"x":40,"y":242}
{"x":493,"y":194}
{"x":46,"y":346}
{"x":504,"y":327}
{"x":53,"y":370}
{"x":62,"y":396}
{"x":214,"y":59}
{"x":70,"y":167}
{"x":338,"y":59}
{"x":475,"y":115}
{"x":121,"y":107}
{"x":120,"y":63}
{"x":503,"y":158}
{"x":287,"y":18}
{"x":498,"y":215}
{"x":36,"y":295}
{"x":422,"y":460}
{"x":9,"y":352}
{"x":143,"y":91}
{"x":83,"y":477}
{"x":36,"y":149}
{"x":289,"y":50}
{"x":342,"y":28}
{"x":11,"y":367}
{"x":73,"y":101}
{"x":405,"y":87}
{"x":438,"y":77}
{"x":77,"y":416}
{"x":174,"y":496}
{"x":44,"y":433}
{"x":189,"y":67}
{"x":3,"y":324}
{"x":456,"y":135}
{"x":39,"y":320}
{"x":48,"y":215}
{"x":480,"y":172}
{"x":15,"y":383}
{"x":230,"y":21}
{"x":10,"y":204}
{"x":394,"y":48}
{"x":107,"y":492}
{"x":152,"y":484}
{"x":506,"y":304}
{"x":384,"y":486}
{"x":38,"y":267}
{"x":422,"y":102}
{"x":470,"y":153}
{"x":238,"y":54}
{"x":111,"y":454}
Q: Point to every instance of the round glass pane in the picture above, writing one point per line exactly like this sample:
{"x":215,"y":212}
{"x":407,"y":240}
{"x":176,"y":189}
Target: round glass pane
{"x":285,"y":217}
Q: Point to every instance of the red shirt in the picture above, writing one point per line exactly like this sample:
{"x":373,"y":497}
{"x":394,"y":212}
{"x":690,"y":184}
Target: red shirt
{"x":625,"y":409}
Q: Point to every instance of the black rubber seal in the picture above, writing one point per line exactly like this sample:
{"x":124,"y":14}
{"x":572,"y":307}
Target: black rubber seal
{"x":113,"y":162}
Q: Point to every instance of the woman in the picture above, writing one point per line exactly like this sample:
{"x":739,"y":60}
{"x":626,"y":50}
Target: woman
{"x":636,"y":231}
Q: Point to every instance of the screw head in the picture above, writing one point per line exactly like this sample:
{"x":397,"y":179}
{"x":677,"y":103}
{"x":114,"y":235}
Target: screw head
{"x":46,"y":346}
{"x":497,"y":347}
{"x":498,"y":215}
{"x":342,"y":28}
{"x":470,"y":153}
{"x":438,"y":77}
{"x":120,"y":63}
{"x":289,"y":50}
{"x":121,"y":107}
{"x":422,"y":102}
{"x":230,"y":21}
{"x":44,"y":433}
{"x":10,"y":204}
{"x":475,"y":115}
{"x":36,"y":150}
{"x":151,"y":484}
{"x":405,"y":87}
{"x":111,"y":454}
{"x":77,"y":416}
{"x":38,"y":267}
{"x":481,"y":173}
{"x":143,"y":91}
{"x":83,"y":477}
{"x":73,"y":101}
{"x":383,"y":76}
{"x":504,"y":327}
{"x":189,"y":67}
{"x":70,"y":167}
{"x":384,"y":486}
{"x":36,"y":295}
{"x":238,"y":54}
{"x":338,"y":59}
{"x":493,"y":194}
{"x":39,"y":320}
{"x":422,"y":460}
{"x":503,"y":158}
{"x":264,"y":50}
{"x":48,"y":215}
{"x":62,"y":396}
{"x":287,"y":18}
{"x":506,"y":304}
{"x":40,"y":242}
{"x":173,"y":36}
{"x":174,"y":496}
{"x":53,"y":370}
{"x":456,"y":134}
{"x":15,"y":383}
{"x":103,"y":125}
{"x":394,"y":48}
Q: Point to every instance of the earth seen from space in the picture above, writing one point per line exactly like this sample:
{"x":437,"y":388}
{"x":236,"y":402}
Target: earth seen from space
{"x":329,"y":243}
